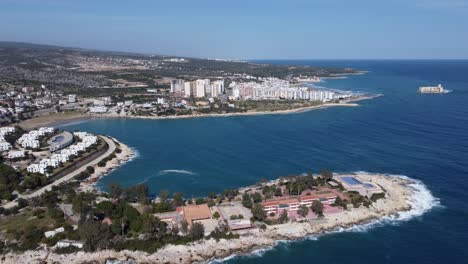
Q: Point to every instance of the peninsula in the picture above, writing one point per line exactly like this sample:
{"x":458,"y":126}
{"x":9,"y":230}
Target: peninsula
{"x":124,"y":225}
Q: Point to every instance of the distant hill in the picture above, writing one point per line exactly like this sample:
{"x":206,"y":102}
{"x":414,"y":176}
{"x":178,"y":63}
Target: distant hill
{"x":25,"y":45}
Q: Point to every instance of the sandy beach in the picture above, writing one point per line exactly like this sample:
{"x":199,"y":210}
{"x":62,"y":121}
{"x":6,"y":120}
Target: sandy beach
{"x":404,"y":199}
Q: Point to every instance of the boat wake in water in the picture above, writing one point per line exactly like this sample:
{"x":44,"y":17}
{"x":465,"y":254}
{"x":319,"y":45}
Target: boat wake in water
{"x":164,"y":172}
{"x":421,"y":201}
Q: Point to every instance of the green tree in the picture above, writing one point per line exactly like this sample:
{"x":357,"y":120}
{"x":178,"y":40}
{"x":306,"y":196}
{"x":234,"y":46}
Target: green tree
{"x":90,"y":169}
{"x":115,"y":190}
{"x":303,"y":211}
{"x":278,"y":192}
{"x":184,"y":227}
{"x":163,"y":195}
{"x":95,"y":234}
{"x":197,"y":231}
{"x":340,"y":202}
{"x":216,"y":215}
{"x":256,"y":197}
{"x":317,"y":207}
{"x":246,"y":200}
{"x":258,"y":212}
{"x":283,"y":218}
{"x":178,"y":199}
{"x":326,"y":174}
{"x":154,"y":227}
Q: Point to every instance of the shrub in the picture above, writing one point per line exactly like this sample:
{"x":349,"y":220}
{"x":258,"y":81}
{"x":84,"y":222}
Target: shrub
{"x":216,"y":215}
{"x":90,"y":169}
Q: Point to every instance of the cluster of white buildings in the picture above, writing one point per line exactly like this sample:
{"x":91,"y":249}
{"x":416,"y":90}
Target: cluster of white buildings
{"x":87,"y":140}
{"x":274,"y":89}
{"x":4,"y":145}
{"x":31,"y":139}
{"x":200,"y":88}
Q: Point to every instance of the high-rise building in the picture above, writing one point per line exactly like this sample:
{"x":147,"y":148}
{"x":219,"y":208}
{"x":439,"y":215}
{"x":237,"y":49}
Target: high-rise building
{"x":217,"y":88}
{"x":189,"y":89}
{"x":200,"y":88}
{"x":177,"y":85}
{"x":207,"y":87}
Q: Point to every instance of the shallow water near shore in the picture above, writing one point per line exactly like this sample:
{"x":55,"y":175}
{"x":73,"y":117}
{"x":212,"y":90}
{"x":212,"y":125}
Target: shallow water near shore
{"x":422,"y":136}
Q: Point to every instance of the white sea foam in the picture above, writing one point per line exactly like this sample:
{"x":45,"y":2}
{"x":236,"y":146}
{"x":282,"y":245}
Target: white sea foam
{"x":136,"y":154}
{"x":421,"y":201}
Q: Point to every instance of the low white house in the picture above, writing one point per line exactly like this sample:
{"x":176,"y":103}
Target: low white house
{"x":68,"y":243}
{"x":4,"y":146}
{"x":54,"y":232}
{"x":14,"y":154}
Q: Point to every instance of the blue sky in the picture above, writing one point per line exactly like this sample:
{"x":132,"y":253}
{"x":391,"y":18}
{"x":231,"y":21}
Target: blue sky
{"x":270,"y":29}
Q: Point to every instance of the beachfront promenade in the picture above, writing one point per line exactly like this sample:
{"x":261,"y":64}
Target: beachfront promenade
{"x":67,"y":177}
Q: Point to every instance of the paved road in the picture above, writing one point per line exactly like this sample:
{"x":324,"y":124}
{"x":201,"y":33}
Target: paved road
{"x":67,"y":177}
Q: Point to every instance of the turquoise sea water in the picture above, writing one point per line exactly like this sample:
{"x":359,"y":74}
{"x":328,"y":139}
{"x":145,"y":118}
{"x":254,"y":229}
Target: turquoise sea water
{"x":424,"y":137}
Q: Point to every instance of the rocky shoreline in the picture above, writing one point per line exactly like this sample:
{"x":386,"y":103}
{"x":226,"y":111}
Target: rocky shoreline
{"x":121,"y":158}
{"x":401,"y":197}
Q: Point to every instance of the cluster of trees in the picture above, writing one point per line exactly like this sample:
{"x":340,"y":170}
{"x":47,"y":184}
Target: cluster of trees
{"x":357,"y":199}
{"x":9,"y":181}
{"x":271,"y":190}
{"x":104,"y":161}
{"x":295,"y":185}
{"x":249,"y":199}
{"x":136,"y":193}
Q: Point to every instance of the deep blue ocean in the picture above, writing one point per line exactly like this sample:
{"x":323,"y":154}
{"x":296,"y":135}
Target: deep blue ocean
{"x":424,"y":137}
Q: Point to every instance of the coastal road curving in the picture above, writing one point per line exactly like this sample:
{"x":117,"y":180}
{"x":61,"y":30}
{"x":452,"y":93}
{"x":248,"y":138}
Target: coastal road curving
{"x":67,"y":177}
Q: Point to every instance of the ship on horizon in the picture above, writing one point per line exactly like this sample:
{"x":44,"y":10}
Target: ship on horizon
{"x":432,"y":89}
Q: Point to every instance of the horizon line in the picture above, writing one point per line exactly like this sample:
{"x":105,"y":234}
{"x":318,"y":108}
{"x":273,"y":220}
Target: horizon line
{"x":237,"y":59}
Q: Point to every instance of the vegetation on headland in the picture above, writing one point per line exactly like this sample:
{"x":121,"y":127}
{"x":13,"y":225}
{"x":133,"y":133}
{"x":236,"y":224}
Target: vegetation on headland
{"x":124,"y":218}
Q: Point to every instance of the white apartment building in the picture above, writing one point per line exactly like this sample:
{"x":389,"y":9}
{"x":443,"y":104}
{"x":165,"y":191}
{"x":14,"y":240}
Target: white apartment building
{"x":217,"y":88}
{"x":189,"y":89}
{"x":200,"y":88}
{"x":177,"y":86}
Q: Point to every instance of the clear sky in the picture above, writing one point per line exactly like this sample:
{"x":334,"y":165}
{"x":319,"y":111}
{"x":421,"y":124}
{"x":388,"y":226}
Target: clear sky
{"x":269,"y":29}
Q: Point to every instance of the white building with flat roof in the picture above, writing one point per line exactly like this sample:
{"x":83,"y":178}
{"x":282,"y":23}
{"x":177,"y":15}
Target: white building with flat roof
{"x":4,"y":146}
{"x":15,"y":154}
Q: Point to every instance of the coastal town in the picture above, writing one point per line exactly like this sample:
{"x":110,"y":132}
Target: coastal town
{"x":52,"y":210}
{"x":51,"y":83}
{"x":184,"y":99}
